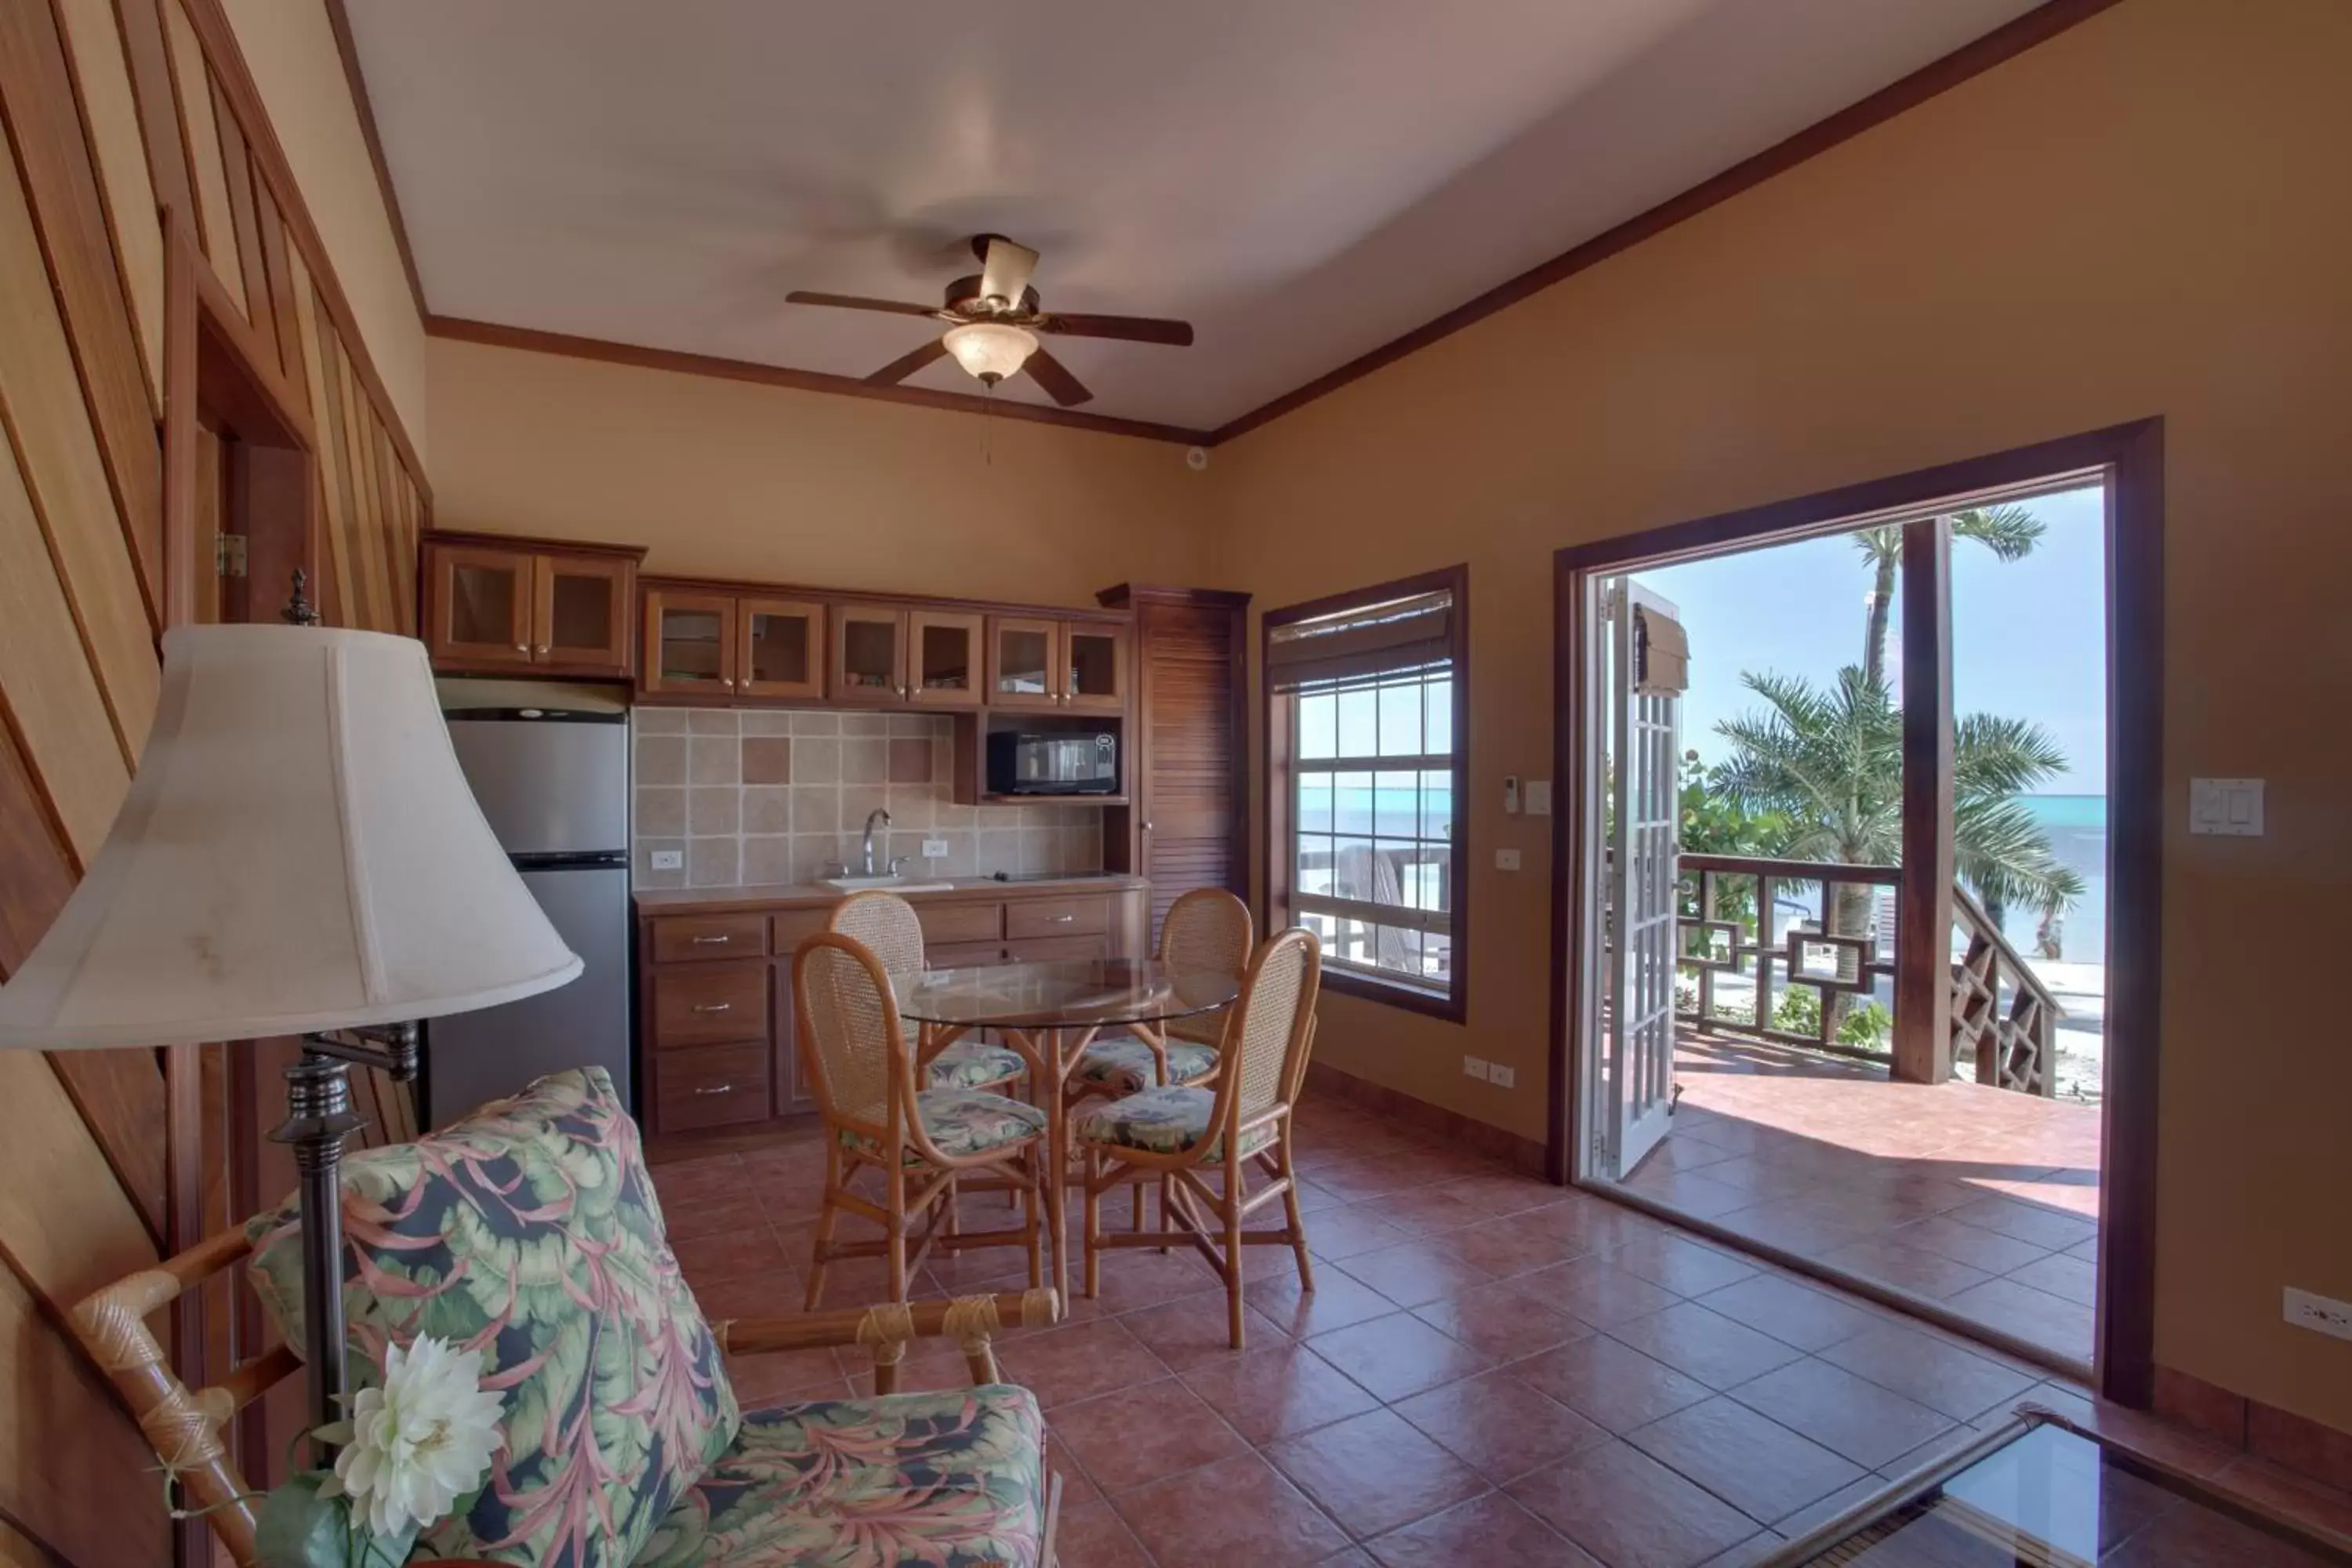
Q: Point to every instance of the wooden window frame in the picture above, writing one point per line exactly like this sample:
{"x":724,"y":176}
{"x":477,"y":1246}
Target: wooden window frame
{"x":1452,"y":1003}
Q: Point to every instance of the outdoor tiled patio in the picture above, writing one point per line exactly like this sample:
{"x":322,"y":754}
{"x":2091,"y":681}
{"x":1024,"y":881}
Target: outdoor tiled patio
{"x":1986,"y":1201}
{"x":1491,"y":1370}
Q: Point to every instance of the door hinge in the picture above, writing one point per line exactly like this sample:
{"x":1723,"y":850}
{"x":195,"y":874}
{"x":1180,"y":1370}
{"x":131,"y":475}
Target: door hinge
{"x":228,"y":554}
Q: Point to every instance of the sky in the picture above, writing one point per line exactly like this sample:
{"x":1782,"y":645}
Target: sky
{"x":2028,"y":636}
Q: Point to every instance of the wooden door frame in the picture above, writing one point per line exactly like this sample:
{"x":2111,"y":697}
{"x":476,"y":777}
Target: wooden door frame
{"x":2130,"y":458}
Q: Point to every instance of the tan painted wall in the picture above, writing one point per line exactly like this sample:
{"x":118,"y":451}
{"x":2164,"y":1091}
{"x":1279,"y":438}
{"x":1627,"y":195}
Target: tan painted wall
{"x":290,"y":46}
{"x":2147,"y":215}
{"x":726,"y":479}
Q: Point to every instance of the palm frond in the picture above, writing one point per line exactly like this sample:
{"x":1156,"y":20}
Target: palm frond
{"x":2011,"y":532}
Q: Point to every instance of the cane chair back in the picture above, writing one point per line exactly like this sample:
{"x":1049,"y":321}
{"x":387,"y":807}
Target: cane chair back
{"x":1272,"y":1020}
{"x":886,"y":925}
{"x":1205,"y":931}
{"x":850,"y":1035}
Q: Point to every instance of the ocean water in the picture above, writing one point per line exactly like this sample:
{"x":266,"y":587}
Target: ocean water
{"x":2077,"y":826}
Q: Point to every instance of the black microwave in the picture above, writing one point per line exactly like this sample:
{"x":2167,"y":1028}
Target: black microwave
{"x":1062,"y":762}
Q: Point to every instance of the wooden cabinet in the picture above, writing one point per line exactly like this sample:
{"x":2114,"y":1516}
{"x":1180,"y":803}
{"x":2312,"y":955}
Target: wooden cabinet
{"x":690,"y":643}
{"x":869,"y":656}
{"x":493,"y":605}
{"x":1036,"y":662}
{"x":943,"y":658}
{"x":780,"y":651}
{"x":1186,"y":826}
{"x":718,"y":1042}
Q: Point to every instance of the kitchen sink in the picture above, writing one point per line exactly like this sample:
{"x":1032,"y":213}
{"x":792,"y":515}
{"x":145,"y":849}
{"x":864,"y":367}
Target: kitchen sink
{"x":894,"y":884}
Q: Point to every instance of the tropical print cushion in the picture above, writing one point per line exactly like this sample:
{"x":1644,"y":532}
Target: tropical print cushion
{"x":951,"y":1480}
{"x":962,"y":1122}
{"x":970,"y":1064}
{"x":1126,"y":1066}
{"x":530,"y":1231}
{"x":1162,"y":1122}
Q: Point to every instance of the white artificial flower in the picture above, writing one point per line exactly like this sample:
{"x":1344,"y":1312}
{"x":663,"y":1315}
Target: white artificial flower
{"x":419,"y":1442}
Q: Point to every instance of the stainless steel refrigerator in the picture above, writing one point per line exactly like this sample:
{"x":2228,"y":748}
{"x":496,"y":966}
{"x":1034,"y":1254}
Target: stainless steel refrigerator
{"x":550,"y":765}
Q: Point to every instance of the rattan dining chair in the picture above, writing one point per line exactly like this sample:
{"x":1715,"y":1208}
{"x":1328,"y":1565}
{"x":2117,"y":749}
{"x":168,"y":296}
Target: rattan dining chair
{"x":1205,"y":931}
{"x":888,"y":928}
{"x":1184,"y":1133}
{"x":924,"y":1140}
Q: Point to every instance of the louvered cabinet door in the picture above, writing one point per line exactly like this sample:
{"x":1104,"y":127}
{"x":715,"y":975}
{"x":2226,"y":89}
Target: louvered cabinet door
{"x":1189,"y":798}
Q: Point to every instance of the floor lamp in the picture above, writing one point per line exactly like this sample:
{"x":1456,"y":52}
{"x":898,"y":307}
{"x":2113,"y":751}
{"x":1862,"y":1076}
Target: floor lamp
{"x":299,"y":855}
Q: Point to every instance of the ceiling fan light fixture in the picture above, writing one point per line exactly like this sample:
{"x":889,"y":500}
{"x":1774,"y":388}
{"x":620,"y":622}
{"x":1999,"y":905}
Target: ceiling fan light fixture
{"x":990,"y":351}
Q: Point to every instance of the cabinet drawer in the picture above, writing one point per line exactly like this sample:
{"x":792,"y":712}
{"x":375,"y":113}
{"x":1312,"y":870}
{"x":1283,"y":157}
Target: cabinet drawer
{"x":710,"y":1086}
{"x":1056,"y":917}
{"x":710,"y":1004}
{"x":787,"y":931}
{"x":963,"y":954}
{"x":1055,"y":949}
{"x":944,"y":923}
{"x":692,"y":938}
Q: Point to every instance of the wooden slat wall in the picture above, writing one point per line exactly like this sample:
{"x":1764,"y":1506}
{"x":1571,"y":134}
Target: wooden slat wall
{"x":109,"y":111}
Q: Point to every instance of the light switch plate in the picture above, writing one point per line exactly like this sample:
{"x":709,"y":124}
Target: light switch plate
{"x":1475,"y":1067}
{"x":1500,"y":1076}
{"x":1506,"y":859}
{"x":2228,"y":807}
{"x":1538,"y":797}
{"x":935,"y":848}
{"x":669,"y":860}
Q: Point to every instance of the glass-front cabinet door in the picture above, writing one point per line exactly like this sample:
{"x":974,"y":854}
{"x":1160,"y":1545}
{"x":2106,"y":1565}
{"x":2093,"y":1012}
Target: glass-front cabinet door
{"x":869,"y":655}
{"x":783,"y":650}
{"x":482,"y":603}
{"x":943,"y":659}
{"x":1023,"y":656}
{"x":1093,"y":666}
{"x":689,"y":643}
{"x":580,"y":619}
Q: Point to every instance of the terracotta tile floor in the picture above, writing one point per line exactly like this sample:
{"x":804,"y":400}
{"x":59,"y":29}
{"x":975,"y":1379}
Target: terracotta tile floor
{"x":1985,"y":1200}
{"x":1490,"y":1369}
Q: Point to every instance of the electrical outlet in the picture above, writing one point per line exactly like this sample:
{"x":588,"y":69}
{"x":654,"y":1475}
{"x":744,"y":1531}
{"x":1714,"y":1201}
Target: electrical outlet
{"x":669,"y":860}
{"x":1506,"y":859}
{"x":1475,"y":1067}
{"x":1500,"y":1076}
{"x":2323,"y":1313}
{"x":935,"y":848}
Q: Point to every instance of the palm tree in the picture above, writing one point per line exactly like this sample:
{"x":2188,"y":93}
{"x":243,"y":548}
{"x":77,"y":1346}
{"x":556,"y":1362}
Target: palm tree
{"x":2011,"y":532}
{"x":1829,"y":765}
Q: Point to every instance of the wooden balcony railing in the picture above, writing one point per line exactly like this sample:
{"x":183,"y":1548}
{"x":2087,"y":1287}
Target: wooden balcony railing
{"x":2017,"y":1050}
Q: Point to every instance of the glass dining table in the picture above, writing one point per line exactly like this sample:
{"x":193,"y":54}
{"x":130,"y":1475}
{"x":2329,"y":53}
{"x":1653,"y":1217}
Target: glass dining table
{"x":1051,"y":1013}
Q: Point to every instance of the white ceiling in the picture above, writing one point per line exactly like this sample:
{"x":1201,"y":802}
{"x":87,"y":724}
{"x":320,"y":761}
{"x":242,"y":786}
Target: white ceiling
{"x":1303,"y":180}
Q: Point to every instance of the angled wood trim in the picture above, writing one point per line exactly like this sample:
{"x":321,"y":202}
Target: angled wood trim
{"x":59,"y":169}
{"x":100,"y":75}
{"x":599,"y":348}
{"x":155,"y":94}
{"x":339,"y":17}
{"x":276,"y":259}
{"x":238,"y":86}
{"x":252,"y":275}
{"x":1970,"y":60}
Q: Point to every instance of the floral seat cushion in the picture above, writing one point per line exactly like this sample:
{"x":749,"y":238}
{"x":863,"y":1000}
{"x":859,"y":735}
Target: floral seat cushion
{"x":529,"y":1231}
{"x":949,"y":1480}
{"x":1169,"y":1121}
{"x":1126,"y":1066}
{"x":963,"y":1122}
{"x":970,"y":1064}
{"x":1202,"y":1028}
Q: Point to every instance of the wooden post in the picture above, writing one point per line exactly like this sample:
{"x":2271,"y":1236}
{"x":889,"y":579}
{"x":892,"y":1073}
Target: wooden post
{"x":1922,"y":977}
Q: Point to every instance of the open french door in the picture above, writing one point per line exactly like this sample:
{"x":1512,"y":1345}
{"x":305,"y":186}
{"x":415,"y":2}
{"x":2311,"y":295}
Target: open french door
{"x":1630,"y":1070}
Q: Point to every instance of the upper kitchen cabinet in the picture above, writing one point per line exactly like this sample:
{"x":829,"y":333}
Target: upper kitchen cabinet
{"x":782,"y":653}
{"x":869,"y":656}
{"x":1094,"y":666}
{"x":943,"y":659}
{"x":495,"y":605}
{"x":1039,"y":662}
{"x":690,"y":643}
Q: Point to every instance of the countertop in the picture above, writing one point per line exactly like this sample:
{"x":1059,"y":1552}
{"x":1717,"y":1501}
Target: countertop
{"x":809,"y":895}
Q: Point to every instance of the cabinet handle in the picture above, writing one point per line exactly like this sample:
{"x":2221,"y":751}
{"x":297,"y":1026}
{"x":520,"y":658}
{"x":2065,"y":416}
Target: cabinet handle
{"x":1146,"y":828}
{"x":1061,"y":920}
{"x":522,"y":647}
{"x":713,"y":1007}
{"x":542,"y":651}
{"x":711,"y":941}
{"x":717,"y":1088}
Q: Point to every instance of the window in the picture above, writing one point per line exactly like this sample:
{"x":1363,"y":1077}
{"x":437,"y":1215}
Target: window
{"x":1368,"y":800}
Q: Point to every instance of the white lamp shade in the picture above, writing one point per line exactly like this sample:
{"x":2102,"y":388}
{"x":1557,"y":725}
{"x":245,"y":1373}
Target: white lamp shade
{"x":990,"y":350}
{"x":299,"y":851}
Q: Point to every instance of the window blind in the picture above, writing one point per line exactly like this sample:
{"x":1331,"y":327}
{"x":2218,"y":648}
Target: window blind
{"x":1373,"y":640}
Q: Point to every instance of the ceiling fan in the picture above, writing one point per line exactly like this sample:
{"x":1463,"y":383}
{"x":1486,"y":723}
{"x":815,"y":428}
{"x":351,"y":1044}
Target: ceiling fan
{"x":994,"y":321}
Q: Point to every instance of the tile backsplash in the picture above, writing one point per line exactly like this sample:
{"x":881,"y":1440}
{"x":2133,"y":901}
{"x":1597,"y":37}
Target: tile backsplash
{"x":758,"y":795}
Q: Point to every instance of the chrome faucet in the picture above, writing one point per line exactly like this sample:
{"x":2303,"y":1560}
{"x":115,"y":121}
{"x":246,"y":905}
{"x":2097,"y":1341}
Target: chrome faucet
{"x":882,"y":816}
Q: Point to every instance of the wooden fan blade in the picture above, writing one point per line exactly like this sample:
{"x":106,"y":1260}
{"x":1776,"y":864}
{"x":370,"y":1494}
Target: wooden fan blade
{"x":1054,"y":376}
{"x":1004,"y":270}
{"x":857,"y":302}
{"x":907,"y":364}
{"x":1132,"y":329}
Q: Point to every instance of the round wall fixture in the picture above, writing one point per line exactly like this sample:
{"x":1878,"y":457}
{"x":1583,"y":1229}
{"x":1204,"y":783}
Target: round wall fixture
{"x":1196,"y":459}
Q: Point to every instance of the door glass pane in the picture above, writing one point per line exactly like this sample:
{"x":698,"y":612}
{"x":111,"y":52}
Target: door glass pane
{"x":1023,"y":656}
{"x":482,"y":603}
{"x":869,"y":653}
{"x":943,"y":659}
{"x":583,"y":612}
{"x":1094,"y":664}
{"x":689,"y":645}
{"x":780,"y":649}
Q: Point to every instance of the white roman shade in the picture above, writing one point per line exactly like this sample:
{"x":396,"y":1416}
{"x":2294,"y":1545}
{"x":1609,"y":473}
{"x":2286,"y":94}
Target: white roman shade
{"x":297,"y":851}
{"x":1363,"y":643}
